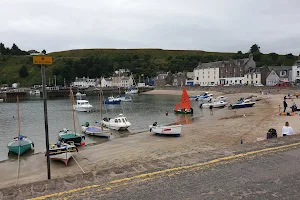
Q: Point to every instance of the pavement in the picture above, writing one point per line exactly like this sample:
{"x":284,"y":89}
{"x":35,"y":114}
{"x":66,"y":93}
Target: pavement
{"x":269,"y":173}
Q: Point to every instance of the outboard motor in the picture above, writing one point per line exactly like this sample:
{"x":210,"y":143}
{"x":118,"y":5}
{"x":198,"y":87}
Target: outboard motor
{"x":154,"y":124}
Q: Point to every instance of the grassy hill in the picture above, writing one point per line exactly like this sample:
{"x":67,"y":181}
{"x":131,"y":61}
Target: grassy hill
{"x":102,"y":62}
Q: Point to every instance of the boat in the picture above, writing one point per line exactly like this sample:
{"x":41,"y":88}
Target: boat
{"x":132,"y":90}
{"x":20,"y":145}
{"x":166,"y":130}
{"x":202,"y":97}
{"x":214,"y":104}
{"x":80,"y":95}
{"x":125,"y":98}
{"x":37,"y":92}
{"x":83,"y":106}
{"x":97,"y":129}
{"x":112,"y":100}
{"x":242,"y":104}
{"x":220,"y":98}
{"x":67,"y":136}
{"x":62,"y":151}
{"x":185,"y":104}
{"x":118,"y":123}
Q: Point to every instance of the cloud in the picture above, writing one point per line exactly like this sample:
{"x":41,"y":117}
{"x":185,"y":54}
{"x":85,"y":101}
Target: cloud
{"x":214,"y":25}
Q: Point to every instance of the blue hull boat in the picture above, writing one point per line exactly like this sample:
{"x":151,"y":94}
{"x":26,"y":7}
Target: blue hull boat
{"x":112,"y":102}
{"x":242,"y":104}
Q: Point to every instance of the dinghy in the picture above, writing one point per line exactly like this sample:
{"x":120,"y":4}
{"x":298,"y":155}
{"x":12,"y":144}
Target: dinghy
{"x":68,"y":136}
{"x":166,"y":130}
{"x":62,"y":152}
{"x":118,"y":123}
{"x":185,"y":104}
{"x":20,"y":144}
{"x":215,"y":104}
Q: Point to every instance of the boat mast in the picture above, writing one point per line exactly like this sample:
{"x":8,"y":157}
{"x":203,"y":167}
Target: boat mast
{"x":119,"y":83}
{"x":100,"y":100}
{"x":73,"y":115}
{"x":19,"y":133}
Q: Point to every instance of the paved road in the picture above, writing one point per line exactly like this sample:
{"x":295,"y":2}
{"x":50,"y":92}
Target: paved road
{"x":273,"y":175}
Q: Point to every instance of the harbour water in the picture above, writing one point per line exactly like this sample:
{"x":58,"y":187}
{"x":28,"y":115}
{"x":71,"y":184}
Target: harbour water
{"x":141,"y":112}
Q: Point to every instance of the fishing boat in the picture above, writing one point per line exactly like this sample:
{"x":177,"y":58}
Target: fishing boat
{"x":125,"y":98}
{"x":166,"y":130}
{"x":20,"y":145}
{"x":118,"y":123}
{"x":214,"y":104}
{"x":242,"y":104}
{"x":112,"y":100}
{"x":80,"y":95}
{"x":185,"y":104}
{"x":67,"y":136}
{"x":83,"y":106}
{"x":62,"y":152}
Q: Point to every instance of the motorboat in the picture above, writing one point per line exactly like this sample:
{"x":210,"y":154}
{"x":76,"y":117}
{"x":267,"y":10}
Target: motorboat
{"x":214,"y":104}
{"x":83,"y":106}
{"x":220,"y":98}
{"x":242,"y":103}
{"x":118,"y":123}
{"x":80,"y":95}
{"x":112,"y":100}
{"x":132,"y":90}
{"x":125,"y":98}
{"x":62,"y":151}
{"x":166,"y":130}
{"x":96,"y":130}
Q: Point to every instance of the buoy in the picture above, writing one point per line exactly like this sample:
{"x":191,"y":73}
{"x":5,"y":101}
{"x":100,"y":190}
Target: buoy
{"x":167,"y":113}
{"x":82,"y":143}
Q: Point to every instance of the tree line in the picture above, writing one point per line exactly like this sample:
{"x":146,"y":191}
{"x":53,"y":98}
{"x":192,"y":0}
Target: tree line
{"x":14,"y":50}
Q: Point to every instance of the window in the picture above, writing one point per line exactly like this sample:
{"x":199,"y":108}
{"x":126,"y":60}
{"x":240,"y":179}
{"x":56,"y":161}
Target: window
{"x":247,"y":75}
{"x":214,"y":77}
{"x":256,"y":76}
{"x":208,"y":72}
{"x":123,"y":120}
{"x":255,"y":81}
{"x":298,"y":73}
{"x":240,"y":81}
{"x":197,"y":78}
{"x":116,"y":120}
{"x":203,"y":76}
{"x":208,"y":76}
{"x":282,"y":73}
{"x":119,"y":120}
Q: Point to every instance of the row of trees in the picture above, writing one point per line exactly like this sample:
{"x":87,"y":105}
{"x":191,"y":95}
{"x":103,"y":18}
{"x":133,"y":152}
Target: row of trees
{"x":14,"y":50}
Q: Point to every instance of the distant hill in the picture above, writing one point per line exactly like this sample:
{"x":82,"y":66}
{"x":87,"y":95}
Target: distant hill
{"x":103,"y":62}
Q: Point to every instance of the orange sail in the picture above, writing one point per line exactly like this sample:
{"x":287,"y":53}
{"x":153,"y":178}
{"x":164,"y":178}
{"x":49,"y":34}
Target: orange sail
{"x":176,"y":107}
{"x":185,"y":100}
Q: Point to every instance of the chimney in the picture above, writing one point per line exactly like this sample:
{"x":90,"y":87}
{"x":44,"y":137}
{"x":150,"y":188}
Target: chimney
{"x":250,"y":56}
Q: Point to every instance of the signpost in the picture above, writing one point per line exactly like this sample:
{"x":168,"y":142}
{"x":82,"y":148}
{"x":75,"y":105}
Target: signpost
{"x":44,"y":60}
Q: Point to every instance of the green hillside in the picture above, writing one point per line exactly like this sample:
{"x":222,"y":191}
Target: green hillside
{"x":102,"y":62}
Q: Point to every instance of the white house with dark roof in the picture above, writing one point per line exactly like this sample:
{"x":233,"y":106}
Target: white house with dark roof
{"x":279,"y":73}
{"x":84,"y":82}
{"x":296,"y":72}
{"x":106,"y":82}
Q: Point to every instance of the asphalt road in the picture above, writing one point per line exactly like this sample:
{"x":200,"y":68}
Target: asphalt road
{"x":273,"y":175}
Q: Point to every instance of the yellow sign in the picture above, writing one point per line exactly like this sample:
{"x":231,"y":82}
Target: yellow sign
{"x":42,"y":60}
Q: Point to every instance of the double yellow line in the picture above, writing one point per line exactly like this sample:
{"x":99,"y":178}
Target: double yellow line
{"x":176,"y":169}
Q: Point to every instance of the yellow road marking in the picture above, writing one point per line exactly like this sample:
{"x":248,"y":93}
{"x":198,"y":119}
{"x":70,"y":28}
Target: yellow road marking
{"x":165,"y":171}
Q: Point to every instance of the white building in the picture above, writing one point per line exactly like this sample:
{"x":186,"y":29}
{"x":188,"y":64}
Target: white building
{"x":126,"y":82}
{"x":84,"y":82}
{"x":252,"y":77}
{"x":106,"y":82}
{"x":296,"y":72}
{"x":206,"y":74}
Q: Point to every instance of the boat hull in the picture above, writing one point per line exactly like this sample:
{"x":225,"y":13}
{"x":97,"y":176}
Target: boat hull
{"x":236,"y":106}
{"x":23,"y":149}
{"x":183,"y":112}
{"x":214,"y":105}
{"x":96,"y":131}
{"x":166,"y":130}
{"x":71,"y":137}
{"x":25,"y":144}
{"x":112,"y":102}
{"x":83,"y":109}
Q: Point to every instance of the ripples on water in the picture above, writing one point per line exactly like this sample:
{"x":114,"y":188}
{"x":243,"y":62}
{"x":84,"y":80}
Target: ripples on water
{"x":143,"y":111}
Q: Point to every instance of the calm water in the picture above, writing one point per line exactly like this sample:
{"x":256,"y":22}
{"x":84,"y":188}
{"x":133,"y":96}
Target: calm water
{"x":143,"y":111}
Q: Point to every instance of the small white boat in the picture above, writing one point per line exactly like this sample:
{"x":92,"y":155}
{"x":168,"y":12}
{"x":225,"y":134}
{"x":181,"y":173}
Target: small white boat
{"x":166,"y":130}
{"x":132,"y":91}
{"x":118,"y":123}
{"x":220,"y":98}
{"x":83,"y":106}
{"x":37,"y":92}
{"x":96,"y":130}
{"x":80,"y":95}
{"x":215,"y":104}
{"x":125,"y":99}
{"x":62,"y":152}
{"x":242,"y":104}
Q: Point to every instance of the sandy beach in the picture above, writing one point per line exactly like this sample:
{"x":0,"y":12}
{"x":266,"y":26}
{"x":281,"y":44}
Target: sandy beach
{"x":203,"y":138}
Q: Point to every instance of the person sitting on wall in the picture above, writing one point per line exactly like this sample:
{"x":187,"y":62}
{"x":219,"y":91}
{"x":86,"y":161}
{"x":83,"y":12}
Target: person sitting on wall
{"x":287,"y":130}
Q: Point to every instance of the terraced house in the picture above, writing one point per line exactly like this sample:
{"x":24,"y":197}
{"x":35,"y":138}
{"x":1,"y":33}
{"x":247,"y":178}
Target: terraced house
{"x":230,"y":72}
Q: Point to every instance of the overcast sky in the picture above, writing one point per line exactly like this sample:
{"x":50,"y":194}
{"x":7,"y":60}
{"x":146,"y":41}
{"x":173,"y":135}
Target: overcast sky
{"x":210,"y":25}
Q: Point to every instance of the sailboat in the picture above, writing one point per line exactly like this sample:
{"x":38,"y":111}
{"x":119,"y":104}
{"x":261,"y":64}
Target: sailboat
{"x":20,"y":144}
{"x":98,"y":129}
{"x":67,"y":135}
{"x":185,"y":104}
{"x":62,"y":151}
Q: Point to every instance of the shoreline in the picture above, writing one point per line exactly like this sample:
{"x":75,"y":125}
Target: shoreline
{"x":206,"y":138}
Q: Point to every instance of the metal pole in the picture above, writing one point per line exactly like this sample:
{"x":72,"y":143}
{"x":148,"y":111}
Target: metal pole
{"x":55,"y":80}
{"x":46,"y":120}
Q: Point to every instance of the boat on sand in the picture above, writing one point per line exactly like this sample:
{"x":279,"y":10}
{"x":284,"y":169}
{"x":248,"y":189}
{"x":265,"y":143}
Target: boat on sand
{"x":185,"y":104}
{"x":166,"y":130}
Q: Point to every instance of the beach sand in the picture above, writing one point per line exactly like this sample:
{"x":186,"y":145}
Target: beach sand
{"x":221,"y":132}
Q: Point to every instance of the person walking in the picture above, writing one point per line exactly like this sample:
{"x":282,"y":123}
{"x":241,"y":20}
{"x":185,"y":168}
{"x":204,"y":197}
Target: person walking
{"x":287,"y":129}
{"x":285,"y":105}
{"x":211,"y":109}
